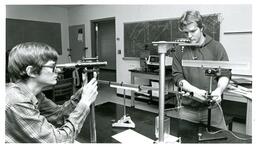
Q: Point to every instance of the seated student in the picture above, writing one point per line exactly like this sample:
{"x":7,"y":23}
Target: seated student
{"x":30,"y":116}
{"x":194,"y":79}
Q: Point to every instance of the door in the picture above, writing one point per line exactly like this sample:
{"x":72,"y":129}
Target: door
{"x":105,"y":47}
{"x":77,"y":42}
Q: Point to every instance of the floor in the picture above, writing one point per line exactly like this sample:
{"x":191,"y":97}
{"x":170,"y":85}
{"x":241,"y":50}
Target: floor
{"x":108,"y":94}
{"x":107,"y":74}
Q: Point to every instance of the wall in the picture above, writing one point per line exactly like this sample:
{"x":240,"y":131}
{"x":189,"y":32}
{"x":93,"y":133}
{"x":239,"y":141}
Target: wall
{"x":236,"y":18}
{"x":46,"y":14}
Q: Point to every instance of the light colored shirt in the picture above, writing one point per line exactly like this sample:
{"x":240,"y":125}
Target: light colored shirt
{"x":32,"y":119}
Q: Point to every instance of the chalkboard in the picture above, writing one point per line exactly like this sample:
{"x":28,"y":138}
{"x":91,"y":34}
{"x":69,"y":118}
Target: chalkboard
{"x":138,"y":36}
{"x":18,"y":31}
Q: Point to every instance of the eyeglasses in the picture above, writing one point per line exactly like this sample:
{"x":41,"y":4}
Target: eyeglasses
{"x":53,"y":67}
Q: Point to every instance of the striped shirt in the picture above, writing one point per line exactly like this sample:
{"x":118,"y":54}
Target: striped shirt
{"x":34,"y":119}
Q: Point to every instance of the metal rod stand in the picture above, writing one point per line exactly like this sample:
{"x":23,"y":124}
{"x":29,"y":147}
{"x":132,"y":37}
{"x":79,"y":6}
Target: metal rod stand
{"x":92,"y":65}
{"x":124,"y":104}
{"x":210,"y":105}
{"x":162,"y":49}
{"x":210,"y":102}
{"x":125,"y":121}
{"x":93,"y":134}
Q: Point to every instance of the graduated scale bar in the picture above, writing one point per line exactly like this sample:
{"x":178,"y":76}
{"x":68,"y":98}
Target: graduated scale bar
{"x":136,"y":88}
{"x":155,"y":43}
{"x":133,"y":87}
{"x":216,"y":64}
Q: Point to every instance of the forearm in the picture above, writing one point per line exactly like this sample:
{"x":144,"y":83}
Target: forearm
{"x":72,"y":126}
{"x":78,"y":116}
{"x":222,"y":84}
{"x":71,"y":104}
{"x":56,"y":114}
{"x":198,"y":94}
{"x":186,"y":86}
{"x":33,"y":127}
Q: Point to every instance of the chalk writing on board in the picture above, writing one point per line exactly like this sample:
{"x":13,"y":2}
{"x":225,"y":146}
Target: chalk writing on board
{"x":212,"y":26}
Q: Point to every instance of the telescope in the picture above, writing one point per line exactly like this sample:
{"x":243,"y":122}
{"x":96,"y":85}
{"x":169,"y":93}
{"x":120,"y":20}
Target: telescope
{"x":81,"y":64}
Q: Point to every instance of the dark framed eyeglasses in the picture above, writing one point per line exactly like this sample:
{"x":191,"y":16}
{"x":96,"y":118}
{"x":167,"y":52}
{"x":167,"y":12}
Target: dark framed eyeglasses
{"x":52,"y":66}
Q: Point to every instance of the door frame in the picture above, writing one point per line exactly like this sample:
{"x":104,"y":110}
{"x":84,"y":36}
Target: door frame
{"x":93,"y":34}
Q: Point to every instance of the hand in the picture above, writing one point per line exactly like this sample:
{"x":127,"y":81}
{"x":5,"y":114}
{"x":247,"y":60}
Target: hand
{"x":200,"y":94}
{"x":77,"y":96}
{"x":216,"y":95}
{"x":89,"y":92}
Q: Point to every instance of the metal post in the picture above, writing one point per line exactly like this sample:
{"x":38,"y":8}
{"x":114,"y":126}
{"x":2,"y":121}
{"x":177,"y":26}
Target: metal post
{"x":161,"y":97}
{"x":124,"y":104}
{"x":210,"y":88}
{"x":93,"y":136}
{"x":162,"y":49}
{"x":210,"y":106}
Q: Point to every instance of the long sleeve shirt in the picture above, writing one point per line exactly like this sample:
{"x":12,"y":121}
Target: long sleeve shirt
{"x":210,"y":50}
{"x":32,"y":119}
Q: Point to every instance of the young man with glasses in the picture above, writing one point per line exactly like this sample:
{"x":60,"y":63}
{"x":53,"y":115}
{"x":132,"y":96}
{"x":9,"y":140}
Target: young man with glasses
{"x":30,"y":117}
{"x":194,"y":79}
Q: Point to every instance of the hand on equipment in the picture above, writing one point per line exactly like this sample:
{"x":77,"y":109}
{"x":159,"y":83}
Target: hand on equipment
{"x":201,"y":95}
{"x":216,"y":95}
{"x":90,"y":92}
{"x":77,"y":95}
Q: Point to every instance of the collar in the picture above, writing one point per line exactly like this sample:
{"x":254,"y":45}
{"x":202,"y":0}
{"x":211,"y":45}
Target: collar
{"x":27,"y":92}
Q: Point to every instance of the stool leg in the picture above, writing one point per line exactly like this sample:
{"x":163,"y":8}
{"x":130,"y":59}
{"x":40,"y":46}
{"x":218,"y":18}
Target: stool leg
{"x":230,"y":125}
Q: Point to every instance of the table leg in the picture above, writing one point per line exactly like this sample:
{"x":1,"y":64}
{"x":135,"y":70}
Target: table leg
{"x":132,"y":92}
{"x":249,"y":117}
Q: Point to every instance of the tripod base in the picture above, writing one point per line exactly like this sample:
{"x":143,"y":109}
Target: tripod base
{"x":169,"y":139}
{"x":125,"y":121}
{"x":209,"y":137}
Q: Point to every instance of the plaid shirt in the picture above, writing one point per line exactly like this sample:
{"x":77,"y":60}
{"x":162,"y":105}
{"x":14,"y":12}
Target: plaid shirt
{"x":31,"y":119}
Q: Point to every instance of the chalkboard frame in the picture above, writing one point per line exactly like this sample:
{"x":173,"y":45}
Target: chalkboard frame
{"x":142,"y":38}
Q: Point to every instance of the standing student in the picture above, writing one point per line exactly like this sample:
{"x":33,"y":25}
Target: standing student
{"x":194,"y":79}
{"x":30,"y":117}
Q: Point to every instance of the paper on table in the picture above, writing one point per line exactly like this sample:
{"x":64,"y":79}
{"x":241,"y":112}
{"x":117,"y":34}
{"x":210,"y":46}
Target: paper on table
{"x":132,"y":137}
